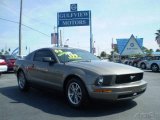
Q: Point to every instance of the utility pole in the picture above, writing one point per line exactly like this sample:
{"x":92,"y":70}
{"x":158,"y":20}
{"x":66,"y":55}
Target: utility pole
{"x":60,"y":39}
{"x":20,"y":20}
{"x":112,"y":51}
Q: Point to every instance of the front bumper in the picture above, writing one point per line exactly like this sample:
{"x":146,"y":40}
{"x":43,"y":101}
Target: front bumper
{"x":118,"y":92}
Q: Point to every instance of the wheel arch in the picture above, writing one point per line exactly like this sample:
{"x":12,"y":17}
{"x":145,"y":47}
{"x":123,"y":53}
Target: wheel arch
{"x":69,"y":77}
{"x":19,"y":70}
{"x":154,"y":64}
{"x":142,"y":63}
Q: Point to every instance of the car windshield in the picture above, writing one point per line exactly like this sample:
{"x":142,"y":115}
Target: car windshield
{"x":67,"y":55}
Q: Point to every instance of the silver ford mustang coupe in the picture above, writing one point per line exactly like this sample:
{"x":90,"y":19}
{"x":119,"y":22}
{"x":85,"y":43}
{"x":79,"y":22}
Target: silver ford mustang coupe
{"x":80,"y":75}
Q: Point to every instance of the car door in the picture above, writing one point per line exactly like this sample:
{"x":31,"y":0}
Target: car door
{"x":37,"y":67}
{"x":44,"y":73}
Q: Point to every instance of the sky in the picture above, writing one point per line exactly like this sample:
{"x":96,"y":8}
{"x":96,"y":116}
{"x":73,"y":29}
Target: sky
{"x":110,"y":19}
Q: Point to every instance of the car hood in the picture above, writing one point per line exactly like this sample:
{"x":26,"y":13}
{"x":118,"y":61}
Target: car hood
{"x":105,"y":68}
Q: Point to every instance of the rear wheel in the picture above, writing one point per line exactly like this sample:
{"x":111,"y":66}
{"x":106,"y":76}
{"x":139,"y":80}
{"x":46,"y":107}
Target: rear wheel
{"x":135,"y":64}
{"x":143,"y":66}
{"x":154,"y":68}
{"x":22,"y":81}
{"x":76,"y":93}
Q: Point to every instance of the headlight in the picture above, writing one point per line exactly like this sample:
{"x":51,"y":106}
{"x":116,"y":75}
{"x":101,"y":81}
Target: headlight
{"x":99,"y":81}
{"x":104,"y":80}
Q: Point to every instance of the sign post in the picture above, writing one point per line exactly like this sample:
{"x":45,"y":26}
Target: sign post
{"x":75,"y":18}
{"x":91,"y":41}
{"x":57,"y":30}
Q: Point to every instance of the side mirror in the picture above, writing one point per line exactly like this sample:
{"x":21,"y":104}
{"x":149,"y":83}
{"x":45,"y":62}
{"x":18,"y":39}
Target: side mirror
{"x":48,"y":59}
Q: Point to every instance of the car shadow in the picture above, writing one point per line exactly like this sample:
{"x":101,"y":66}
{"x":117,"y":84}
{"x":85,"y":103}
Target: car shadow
{"x":9,"y":72}
{"x":150,"y":71}
{"x":54,"y":103}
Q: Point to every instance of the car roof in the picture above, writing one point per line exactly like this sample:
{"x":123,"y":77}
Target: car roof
{"x":55,"y":48}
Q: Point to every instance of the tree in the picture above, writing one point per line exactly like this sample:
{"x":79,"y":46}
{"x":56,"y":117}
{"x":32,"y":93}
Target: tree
{"x":144,"y":49}
{"x":115,"y":48}
{"x":158,"y":50}
{"x":147,"y":51}
{"x":158,"y":37}
{"x":6,"y":53}
{"x":2,"y":51}
{"x":103,"y":54}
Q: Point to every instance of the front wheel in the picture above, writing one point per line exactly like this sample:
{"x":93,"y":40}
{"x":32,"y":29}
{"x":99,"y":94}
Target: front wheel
{"x":155,"y":68}
{"x":76,"y":93}
{"x":22,"y":82}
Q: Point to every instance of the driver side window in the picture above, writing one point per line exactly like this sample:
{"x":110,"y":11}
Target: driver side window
{"x":39,"y":55}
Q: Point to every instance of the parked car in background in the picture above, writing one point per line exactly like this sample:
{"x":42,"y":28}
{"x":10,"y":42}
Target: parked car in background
{"x":79,"y":75}
{"x":129,"y":61}
{"x":154,"y":65}
{"x":3,"y":66}
{"x":10,"y":60}
{"x":136,"y":61}
{"x":143,"y":63}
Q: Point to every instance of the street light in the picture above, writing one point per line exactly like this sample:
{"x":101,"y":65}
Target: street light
{"x":65,"y":45}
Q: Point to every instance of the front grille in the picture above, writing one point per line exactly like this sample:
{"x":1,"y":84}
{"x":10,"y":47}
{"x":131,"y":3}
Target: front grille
{"x":128,"y":78}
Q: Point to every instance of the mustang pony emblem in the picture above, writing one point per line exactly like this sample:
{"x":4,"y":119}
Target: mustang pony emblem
{"x":132,"y":77}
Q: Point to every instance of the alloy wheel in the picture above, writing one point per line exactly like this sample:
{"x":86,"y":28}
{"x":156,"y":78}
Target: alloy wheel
{"x":21,"y":80}
{"x":74,"y":93}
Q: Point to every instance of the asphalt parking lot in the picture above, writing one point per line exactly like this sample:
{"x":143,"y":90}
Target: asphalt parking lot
{"x":42,"y":105}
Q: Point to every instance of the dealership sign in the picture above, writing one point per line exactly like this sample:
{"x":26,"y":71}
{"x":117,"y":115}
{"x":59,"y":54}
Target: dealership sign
{"x":75,"y":18}
{"x":132,"y":47}
{"x":78,"y":18}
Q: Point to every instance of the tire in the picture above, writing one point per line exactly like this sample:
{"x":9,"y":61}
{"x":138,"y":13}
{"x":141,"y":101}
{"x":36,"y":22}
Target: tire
{"x":22,"y":81}
{"x":135,"y":64}
{"x":76,"y":93}
{"x":154,"y":68}
{"x":143,"y":66}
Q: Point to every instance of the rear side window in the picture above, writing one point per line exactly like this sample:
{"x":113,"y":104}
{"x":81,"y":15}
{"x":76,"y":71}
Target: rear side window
{"x":39,"y":55}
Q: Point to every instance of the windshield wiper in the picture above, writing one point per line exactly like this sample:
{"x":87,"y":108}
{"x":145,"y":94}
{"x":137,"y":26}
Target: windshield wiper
{"x":80,"y":60}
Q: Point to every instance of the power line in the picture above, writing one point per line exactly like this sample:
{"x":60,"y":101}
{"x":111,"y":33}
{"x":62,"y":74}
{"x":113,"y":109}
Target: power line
{"x":24,"y":26}
{"x":9,"y":20}
{"x":11,"y":8}
{"x":35,"y":30}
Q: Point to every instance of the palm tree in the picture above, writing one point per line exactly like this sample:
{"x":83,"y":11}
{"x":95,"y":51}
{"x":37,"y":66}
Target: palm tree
{"x":103,"y":54}
{"x":158,"y":37}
